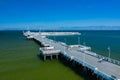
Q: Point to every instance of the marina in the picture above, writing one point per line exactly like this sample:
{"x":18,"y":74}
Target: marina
{"x":103,"y":67}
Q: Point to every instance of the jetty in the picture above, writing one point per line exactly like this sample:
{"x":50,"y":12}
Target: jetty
{"x":104,"y":68}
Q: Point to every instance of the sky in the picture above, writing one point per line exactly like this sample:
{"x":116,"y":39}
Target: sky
{"x":59,"y":14}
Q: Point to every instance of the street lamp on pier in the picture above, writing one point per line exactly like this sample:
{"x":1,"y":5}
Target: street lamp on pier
{"x":109,"y":50}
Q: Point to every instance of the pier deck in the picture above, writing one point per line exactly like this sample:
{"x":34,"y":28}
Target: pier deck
{"x":105,"y":69}
{"x":49,"y":52}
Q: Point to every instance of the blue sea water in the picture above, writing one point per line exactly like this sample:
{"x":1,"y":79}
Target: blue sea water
{"x":97,"y":40}
{"x":19,"y":61}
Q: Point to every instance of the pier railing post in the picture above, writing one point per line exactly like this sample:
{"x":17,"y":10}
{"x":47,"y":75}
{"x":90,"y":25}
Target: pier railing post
{"x":51,"y":56}
{"x":56,"y":56}
{"x":44,"y":57}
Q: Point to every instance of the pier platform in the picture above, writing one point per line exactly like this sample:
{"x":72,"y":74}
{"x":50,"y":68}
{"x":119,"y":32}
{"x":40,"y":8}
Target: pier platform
{"x":49,"y":51}
{"x":108,"y":69}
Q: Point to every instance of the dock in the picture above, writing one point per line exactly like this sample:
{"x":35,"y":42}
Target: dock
{"x":49,"y":51}
{"x":105,"y":68}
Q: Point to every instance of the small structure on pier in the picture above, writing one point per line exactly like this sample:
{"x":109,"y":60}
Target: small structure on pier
{"x":49,"y":51}
{"x":80,"y":47}
{"x":45,"y":44}
{"x":30,"y":37}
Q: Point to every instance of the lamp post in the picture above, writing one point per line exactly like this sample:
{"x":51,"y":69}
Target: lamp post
{"x":78,"y":40}
{"x":55,"y":34}
{"x":64,"y":42}
{"x":54,"y":38}
{"x":39,"y":30}
{"x":109,"y":51}
{"x":84,"y":53}
{"x":84,"y":44}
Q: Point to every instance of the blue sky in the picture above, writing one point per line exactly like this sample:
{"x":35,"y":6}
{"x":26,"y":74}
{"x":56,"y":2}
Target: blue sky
{"x":19,"y":14}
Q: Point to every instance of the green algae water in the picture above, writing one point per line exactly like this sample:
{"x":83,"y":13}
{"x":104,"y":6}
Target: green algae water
{"x":19,"y":57}
{"x":19,"y":61}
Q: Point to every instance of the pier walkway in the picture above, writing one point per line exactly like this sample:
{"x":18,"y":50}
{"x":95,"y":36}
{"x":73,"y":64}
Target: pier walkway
{"x":105,"y":69}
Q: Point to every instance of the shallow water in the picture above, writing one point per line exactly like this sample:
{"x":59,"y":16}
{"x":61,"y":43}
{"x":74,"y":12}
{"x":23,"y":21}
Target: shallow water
{"x":19,"y":61}
{"x":19,"y":57}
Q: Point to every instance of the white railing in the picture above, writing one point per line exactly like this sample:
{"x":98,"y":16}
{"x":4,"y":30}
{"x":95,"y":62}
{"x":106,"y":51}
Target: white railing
{"x":108,"y":59}
{"x":89,"y":66}
{"x":94,"y":69}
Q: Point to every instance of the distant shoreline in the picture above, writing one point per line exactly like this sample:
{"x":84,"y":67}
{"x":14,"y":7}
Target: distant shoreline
{"x":60,"y":30}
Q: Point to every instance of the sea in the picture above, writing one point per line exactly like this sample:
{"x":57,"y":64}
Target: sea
{"x":19,"y":57}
